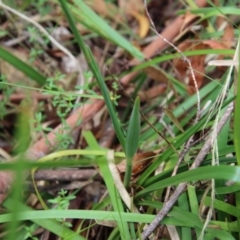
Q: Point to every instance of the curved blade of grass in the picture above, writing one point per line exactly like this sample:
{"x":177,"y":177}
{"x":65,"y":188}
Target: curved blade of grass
{"x":133,"y":132}
{"x":23,"y":67}
{"x":183,"y":203}
{"x":193,"y":202}
{"x":72,"y":162}
{"x":178,"y":217}
{"x":227,"y":189}
{"x":210,"y":11}
{"x":218,"y":234}
{"x":203,"y":173}
{"x":97,"y":74}
{"x":46,"y":215}
{"x":229,"y":226}
{"x":222,"y":206}
{"x":176,"y":212}
{"x":51,"y":225}
{"x":132,"y":139}
{"x":109,"y":181}
{"x":184,"y":167}
{"x":90,"y":19}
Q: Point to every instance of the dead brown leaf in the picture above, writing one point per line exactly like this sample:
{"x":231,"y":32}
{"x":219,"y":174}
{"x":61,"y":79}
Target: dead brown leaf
{"x":143,"y":22}
{"x":188,"y":19}
{"x":140,"y":162}
{"x":153,"y":92}
{"x":158,"y":75}
{"x":228,"y":36}
{"x":197,"y":62}
{"x":214,"y":44}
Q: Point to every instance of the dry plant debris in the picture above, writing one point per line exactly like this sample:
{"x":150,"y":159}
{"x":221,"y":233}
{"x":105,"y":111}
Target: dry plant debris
{"x":53,"y":112}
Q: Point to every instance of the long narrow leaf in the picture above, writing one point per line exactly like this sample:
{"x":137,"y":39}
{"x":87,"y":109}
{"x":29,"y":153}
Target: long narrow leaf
{"x":20,"y":65}
{"x":89,"y":18}
{"x":95,"y":69}
{"x":133,"y":132}
{"x":203,"y":173}
{"x":132,"y":139}
{"x":112,"y":190}
{"x":46,"y":222}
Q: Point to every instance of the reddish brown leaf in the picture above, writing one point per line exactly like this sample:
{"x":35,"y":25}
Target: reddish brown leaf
{"x":140,"y":162}
{"x":197,"y":64}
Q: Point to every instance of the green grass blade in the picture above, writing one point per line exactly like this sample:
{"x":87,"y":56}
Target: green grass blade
{"x":45,"y":222}
{"x":183,"y":204}
{"x":20,"y":65}
{"x":177,"y":217}
{"x":210,"y":11}
{"x":112,"y":190}
{"x":203,"y":173}
{"x":185,"y":217}
{"x":133,"y":132}
{"x":132,"y":139}
{"x":95,"y":69}
{"x":222,"y":206}
{"x":227,"y":189}
{"x":90,"y":19}
{"x":193,"y":202}
{"x":115,"y":198}
{"x":218,"y":234}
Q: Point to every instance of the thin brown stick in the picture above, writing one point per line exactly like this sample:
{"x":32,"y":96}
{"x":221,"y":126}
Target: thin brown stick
{"x":65,"y":174}
{"x":182,"y":186}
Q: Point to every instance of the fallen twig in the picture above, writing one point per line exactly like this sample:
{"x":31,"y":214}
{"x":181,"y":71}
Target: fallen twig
{"x":65,"y":174}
